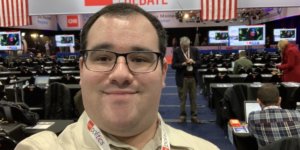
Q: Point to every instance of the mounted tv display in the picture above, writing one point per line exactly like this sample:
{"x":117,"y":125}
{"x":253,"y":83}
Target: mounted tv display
{"x":218,"y":37}
{"x":10,"y":40}
{"x":64,"y":40}
{"x":287,"y":34}
{"x":247,"y":35}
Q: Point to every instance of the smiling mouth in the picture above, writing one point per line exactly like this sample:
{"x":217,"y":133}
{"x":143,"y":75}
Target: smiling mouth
{"x":119,"y":92}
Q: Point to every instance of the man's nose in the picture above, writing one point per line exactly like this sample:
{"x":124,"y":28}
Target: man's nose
{"x":121,"y":75}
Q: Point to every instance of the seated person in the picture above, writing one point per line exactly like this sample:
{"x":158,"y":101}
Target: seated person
{"x":56,"y":72}
{"x":11,"y":79}
{"x":272,"y":123}
{"x":275,"y":76}
{"x":69,"y":79}
{"x":253,"y":77}
{"x":242,"y":62}
{"x":25,"y":72}
{"x":42,"y":72}
{"x":222,"y":78}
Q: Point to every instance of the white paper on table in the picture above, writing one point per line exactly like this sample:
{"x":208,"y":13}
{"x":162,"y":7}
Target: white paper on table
{"x":41,"y":125}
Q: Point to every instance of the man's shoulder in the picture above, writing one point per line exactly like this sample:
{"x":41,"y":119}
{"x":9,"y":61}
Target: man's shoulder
{"x":180,"y":138}
{"x":282,"y":113}
{"x":43,"y":140}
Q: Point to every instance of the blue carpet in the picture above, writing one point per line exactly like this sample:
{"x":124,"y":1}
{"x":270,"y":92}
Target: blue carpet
{"x":169,"y":109}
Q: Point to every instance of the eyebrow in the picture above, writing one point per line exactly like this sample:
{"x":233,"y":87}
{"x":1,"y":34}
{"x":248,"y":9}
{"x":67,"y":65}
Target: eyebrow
{"x":102,"y":46}
{"x":109,"y":46}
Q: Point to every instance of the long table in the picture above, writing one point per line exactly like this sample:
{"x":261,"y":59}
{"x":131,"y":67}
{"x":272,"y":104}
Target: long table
{"x":235,"y":78}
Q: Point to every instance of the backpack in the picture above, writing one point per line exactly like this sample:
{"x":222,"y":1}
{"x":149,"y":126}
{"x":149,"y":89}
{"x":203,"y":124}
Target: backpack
{"x":12,"y":111}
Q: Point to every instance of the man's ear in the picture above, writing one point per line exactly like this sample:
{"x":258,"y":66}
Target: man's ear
{"x":164,"y":71}
{"x":80,"y":67}
{"x":260,"y":103}
{"x":279,"y":101}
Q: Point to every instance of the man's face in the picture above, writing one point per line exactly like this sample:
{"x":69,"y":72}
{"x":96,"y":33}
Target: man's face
{"x":252,"y":33}
{"x":120,"y":102}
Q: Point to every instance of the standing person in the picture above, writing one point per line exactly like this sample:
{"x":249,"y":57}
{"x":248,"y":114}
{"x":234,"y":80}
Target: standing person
{"x":121,"y":107}
{"x":242,"y":63}
{"x":272,"y":123}
{"x":47,"y":48}
{"x":186,"y":61}
{"x":290,"y":61}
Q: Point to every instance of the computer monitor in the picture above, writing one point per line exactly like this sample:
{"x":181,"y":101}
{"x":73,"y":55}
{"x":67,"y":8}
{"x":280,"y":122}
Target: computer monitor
{"x":41,"y":80}
{"x":66,"y":40}
{"x":250,"y":106}
{"x":10,"y":40}
{"x":285,"y":34}
{"x":246,"y":35}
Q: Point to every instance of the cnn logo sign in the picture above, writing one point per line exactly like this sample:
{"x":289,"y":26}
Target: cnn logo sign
{"x":72,"y":21}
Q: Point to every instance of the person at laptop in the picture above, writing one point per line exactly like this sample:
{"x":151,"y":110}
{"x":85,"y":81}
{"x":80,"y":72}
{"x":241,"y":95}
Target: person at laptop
{"x":272,"y":123}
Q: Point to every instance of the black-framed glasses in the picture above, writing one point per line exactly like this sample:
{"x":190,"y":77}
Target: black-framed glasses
{"x":102,"y":60}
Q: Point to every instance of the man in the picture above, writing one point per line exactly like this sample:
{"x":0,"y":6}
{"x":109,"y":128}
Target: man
{"x":272,"y":123}
{"x":242,"y":63}
{"x":186,"y":61}
{"x":122,"y":73}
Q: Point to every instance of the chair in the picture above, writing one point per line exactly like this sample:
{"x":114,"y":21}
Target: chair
{"x":289,"y":143}
{"x":7,"y":143}
{"x":68,"y":79}
{"x":78,"y":103}
{"x":275,"y":79}
{"x":232,"y":104}
{"x":34,"y":97}
{"x":242,"y":71}
{"x":58,"y":103}
{"x":250,"y":78}
{"x":222,"y":79}
{"x":295,"y":98}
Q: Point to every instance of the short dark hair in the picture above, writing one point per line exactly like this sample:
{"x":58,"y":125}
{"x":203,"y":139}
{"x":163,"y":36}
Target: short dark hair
{"x":268,"y":94}
{"x":125,"y":9}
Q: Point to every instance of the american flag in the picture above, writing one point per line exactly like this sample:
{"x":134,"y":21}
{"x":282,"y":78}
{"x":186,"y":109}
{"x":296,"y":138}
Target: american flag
{"x":14,"y":13}
{"x":218,"y":9}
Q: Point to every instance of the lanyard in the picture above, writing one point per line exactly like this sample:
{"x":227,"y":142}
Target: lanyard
{"x":187,"y":56}
{"x":102,"y":143}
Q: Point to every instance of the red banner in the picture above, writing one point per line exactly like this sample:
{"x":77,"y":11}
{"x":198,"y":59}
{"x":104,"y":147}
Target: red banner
{"x":97,"y":2}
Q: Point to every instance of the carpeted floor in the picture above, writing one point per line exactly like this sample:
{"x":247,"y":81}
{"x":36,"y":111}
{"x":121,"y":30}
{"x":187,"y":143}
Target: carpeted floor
{"x":169,"y":109}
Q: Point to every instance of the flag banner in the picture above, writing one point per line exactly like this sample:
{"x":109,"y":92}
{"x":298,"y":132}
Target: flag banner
{"x":14,"y":13}
{"x":218,"y":9}
{"x":97,"y":2}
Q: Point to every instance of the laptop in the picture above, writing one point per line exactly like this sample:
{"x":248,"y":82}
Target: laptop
{"x":42,"y":81}
{"x":249,"y":107}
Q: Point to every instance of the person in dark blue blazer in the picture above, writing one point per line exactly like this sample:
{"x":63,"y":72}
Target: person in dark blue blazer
{"x":186,"y":62}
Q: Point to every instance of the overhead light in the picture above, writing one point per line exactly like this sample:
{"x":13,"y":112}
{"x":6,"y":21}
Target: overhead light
{"x":34,"y":35}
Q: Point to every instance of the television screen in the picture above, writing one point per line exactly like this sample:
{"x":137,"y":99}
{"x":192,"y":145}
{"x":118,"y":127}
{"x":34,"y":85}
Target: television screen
{"x":246,"y":35}
{"x":10,"y":40}
{"x":218,"y":37}
{"x":287,"y":34}
{"x":64,"y":40}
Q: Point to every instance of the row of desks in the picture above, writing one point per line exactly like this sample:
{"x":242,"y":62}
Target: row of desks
{"x":10,"y":73}
{"x":206,"y":80}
